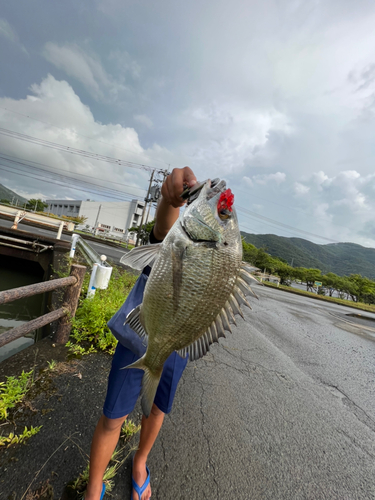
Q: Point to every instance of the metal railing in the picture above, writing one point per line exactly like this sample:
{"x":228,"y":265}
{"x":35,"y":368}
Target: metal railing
{"x":63,"y":314}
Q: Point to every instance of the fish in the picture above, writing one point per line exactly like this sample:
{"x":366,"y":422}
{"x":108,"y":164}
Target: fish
{"x":196,"y":287}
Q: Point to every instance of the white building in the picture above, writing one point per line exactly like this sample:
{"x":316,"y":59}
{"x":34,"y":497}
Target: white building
{"x":114,"y":217}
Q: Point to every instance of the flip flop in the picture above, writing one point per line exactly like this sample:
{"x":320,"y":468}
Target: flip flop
{"x":103,"y":492}
{"x":140,"y":489}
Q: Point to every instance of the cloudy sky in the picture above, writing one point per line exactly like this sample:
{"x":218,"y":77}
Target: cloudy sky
{"x":277,"y":97}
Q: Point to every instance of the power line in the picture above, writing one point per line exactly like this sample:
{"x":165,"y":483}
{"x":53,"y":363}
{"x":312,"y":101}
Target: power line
{"x":81,"y":135}
{"x":281,"y":224}
{"x":79,"y":152}
{"x":20,"y":161}
{"x":298,"y":210}
{"x":125,"y":196}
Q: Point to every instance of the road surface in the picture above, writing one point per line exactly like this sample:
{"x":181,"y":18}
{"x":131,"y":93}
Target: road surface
{"x":283,"y":409}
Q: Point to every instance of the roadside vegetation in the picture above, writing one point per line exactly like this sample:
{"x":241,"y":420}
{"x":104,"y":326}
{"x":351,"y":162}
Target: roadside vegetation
{"x":12,"y":392}
{"x":89,"y":327}
{"x":356,"y":288}
{"x":120,"y":455}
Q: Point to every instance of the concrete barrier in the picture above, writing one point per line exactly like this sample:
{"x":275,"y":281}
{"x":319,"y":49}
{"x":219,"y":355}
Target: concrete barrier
{"x":24,"y":215}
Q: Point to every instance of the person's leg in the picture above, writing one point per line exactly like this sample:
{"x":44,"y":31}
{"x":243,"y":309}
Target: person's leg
{"x":150,"y":428}
{"x":104,"y":442}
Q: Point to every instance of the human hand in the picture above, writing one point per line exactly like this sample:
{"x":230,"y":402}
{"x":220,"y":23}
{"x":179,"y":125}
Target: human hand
{"x":174,"y":184}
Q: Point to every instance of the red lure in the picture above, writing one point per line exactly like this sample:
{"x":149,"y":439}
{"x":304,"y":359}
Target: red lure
{"x":226,"y":201}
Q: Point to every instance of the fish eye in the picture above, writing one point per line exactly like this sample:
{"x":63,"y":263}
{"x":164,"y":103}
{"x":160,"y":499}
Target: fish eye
{"x":224,"y":214}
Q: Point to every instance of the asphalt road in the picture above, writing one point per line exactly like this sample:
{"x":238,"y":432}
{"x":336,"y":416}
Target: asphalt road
{"x":282,"y":409}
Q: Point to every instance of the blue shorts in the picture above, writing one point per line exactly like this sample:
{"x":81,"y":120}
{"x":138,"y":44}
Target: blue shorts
{"x":124,"y":386}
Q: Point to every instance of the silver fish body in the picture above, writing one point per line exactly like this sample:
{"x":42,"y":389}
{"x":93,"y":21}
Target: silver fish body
{"x":195,"y":288}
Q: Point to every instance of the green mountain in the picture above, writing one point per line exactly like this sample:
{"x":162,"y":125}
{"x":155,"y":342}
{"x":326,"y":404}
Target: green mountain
{"x":8,"y":194}
{"x":339,"y":258}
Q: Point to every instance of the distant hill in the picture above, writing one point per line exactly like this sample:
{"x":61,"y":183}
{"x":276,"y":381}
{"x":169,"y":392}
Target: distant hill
{"x":340,"y":258}
{"x":8,"y":194}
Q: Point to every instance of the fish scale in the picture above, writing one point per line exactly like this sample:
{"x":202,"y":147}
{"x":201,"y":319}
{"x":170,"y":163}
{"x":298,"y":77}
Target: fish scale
{"x":196,"y":286}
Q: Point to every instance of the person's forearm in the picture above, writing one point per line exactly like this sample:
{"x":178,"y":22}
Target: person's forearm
{"x":166,"y":216}
{"x":171,"y":201}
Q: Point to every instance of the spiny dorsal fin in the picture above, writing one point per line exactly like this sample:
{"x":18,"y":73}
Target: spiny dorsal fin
{"x":140,"y":257}
{"x":132,"y":319}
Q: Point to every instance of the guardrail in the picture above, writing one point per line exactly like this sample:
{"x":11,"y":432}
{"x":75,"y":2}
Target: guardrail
{"x":44,"y":220}
{"x":63,"y":314}
{"x":101,"y":270}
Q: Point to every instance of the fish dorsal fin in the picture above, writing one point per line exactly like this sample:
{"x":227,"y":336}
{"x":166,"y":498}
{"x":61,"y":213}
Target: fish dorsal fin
{"x":140,"y":257}
{"x":132,"y":319}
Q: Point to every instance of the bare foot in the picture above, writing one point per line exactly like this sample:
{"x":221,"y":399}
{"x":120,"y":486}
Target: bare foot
{"x":140,"y":475}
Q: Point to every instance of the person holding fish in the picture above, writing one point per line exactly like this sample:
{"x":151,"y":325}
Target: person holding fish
{"x":125,"y":385}
{"x":192,"y":285}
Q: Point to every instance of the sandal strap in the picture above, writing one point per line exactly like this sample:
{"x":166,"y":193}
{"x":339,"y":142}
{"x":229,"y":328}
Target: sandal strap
{"x":140,"y":489}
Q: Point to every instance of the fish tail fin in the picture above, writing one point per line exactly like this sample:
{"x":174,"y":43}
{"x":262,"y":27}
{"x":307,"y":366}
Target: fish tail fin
{"x":150,"y":384}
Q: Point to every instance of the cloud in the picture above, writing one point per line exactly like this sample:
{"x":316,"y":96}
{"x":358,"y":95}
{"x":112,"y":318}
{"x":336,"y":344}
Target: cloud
{"x":300,"y":189}
{"x":59,"y":116}
{"x":86,"y":68}
{"x":144,"y":120}
{"x":280,"y":103}
{"x":9,"y":33}
{"x":264,"y":179}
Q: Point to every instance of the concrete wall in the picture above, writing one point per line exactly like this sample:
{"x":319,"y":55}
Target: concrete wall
{"x":115,"y":217}
{"x":69,"y":208}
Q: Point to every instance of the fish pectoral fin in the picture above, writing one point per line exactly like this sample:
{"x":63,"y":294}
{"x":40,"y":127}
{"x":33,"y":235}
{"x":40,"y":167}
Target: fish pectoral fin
{"x":140,"y":257}
{"x":133,"y":320}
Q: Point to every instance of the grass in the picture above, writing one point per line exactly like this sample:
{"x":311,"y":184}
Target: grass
{"x":120,"y":455}
{"x":356,"y":305}
{"x":12,"y":392}
{"x":90,"y":331}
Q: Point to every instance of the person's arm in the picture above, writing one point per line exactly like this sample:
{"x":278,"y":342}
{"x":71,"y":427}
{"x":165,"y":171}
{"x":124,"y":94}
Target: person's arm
{"x":171,"y":201}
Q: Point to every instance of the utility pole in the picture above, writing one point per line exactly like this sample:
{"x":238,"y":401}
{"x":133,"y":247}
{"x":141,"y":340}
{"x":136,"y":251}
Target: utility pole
{"x":97,"y":219}
{"x":36,"y":203}
{"x":144,"y":208}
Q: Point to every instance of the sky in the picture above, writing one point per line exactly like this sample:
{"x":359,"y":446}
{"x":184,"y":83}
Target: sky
{"x":277,"y":97}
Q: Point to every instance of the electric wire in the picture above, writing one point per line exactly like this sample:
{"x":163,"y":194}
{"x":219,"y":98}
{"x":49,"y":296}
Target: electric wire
{"x":79,"y":152}
{"x":74,"y":188}
{"x":81,"y":135}
{"x":15,"y":159}
{"x":267,"y":220}
{"x":108,"y":192}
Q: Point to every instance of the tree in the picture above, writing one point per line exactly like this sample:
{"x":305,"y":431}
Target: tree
{"x":284,"y":271}
{"x":311,"y":276}
{"x":330,"y":281}
{"x":5,"y":202}
{"x":143,"y":231}
{"x":36,"y":205}
{"x":250,"y":252}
